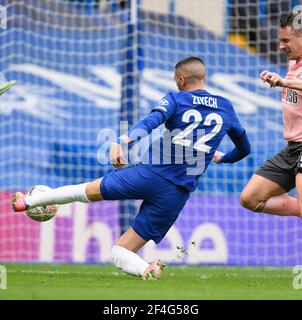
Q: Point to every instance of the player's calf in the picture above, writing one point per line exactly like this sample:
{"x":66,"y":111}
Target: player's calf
{"x":93,"y":190}
{"x":128,"y":261}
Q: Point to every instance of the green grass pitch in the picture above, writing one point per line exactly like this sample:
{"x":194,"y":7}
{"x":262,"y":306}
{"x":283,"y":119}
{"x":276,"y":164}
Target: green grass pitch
{"x":36,"y":281}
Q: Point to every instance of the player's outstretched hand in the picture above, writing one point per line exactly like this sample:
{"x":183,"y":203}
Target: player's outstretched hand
{"x":272,"y":78}
{"x":116,"y":155}
{"x":217,"y":156}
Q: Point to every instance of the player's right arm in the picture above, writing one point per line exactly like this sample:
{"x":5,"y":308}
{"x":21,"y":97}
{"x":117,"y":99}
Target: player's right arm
{"x":138,"y":131}
{"x":160,"y":114}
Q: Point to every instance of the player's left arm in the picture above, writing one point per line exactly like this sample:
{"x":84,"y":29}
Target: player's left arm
{"x":275,"y":80}
{"x":240,"y":139}
{"x":241,"y":150}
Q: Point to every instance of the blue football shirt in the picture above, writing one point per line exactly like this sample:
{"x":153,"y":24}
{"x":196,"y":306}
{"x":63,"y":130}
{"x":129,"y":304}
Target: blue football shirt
{"x":195,"y":123}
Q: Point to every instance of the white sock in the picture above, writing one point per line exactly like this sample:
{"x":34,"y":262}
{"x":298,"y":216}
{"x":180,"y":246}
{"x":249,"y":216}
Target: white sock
{"x":60,"y":195}
{"x":128,"y":261}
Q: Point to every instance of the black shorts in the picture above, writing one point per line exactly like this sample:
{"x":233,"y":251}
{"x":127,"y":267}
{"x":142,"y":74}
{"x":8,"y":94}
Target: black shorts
{"x":282,"y":168}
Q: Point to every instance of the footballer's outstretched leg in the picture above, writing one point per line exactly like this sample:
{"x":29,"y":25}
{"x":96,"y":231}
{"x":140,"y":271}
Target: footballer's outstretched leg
{"x":85,"y":192}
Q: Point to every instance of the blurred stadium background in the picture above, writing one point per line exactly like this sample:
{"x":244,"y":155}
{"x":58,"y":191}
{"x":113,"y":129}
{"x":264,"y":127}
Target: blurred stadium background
{"x":83,"y":66}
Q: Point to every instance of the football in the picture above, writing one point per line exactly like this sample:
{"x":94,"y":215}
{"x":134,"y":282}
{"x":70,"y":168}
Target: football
{"x":42,"y":213}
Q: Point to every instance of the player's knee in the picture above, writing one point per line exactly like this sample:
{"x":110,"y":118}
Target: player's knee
{"x":248,"y":202}
{"x":245,"y":201}
{"x":93,"y":191}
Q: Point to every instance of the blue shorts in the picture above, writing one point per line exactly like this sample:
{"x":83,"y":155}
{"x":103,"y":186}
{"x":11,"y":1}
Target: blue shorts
{"x":162,"y":200}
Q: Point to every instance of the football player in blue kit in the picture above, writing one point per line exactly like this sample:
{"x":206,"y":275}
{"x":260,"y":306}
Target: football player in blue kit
{"x":195,"y":123}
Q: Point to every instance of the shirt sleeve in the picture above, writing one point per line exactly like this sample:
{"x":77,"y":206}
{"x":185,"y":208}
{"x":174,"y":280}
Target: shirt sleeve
{"x":166,"y":106}
{"x":236,"y":129}
{"x":239,"y":137}
{"x":241,"y":150}
{"x":160,"y":114}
